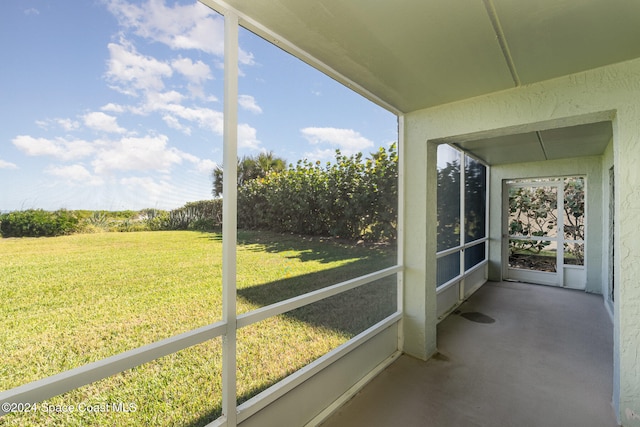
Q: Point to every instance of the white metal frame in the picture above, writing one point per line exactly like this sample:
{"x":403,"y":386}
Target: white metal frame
{"x":229,"y":216}
{"x":464,"y":271}
{"x":232,"y":414}
{"x":560,"y":277}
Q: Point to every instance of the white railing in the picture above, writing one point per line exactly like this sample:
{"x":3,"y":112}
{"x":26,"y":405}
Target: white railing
{"x":46,"y":388}
{"x":464,"y":270}
{"x":311,"y":297}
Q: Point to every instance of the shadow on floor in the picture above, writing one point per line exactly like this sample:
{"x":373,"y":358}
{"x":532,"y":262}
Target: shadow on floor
{"x":514,"y":355}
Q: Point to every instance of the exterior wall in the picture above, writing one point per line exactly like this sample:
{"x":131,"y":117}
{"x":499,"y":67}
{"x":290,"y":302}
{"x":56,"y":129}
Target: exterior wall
{"x":420,"y":303}
{"x":608,"y":93}
{"x":451,"y":298}
{"x":587,"y":166}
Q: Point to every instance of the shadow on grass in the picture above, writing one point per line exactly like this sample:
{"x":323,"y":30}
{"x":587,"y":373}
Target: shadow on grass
{"x":307,"y":248}
{"x":348,"y":313}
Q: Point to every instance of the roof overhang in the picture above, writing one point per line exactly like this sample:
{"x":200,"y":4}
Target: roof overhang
{"x":409,"y":55}
{"x":551,"y":144}
{"x":417,"y":54}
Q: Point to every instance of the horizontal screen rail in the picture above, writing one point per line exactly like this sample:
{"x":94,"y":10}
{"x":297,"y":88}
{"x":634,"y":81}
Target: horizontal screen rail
{"x":534,"y":238}
{"x":46,"y":388}
{"x":453,"y":250}
{"x":311,"y":297}
{"x":449,"y":283}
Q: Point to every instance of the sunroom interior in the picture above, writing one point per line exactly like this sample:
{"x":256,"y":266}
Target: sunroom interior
{"x":533,"y":92}
{"x":528,"y":94}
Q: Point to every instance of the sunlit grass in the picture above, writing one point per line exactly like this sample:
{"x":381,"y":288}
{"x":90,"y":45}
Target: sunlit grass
{"x":70,"y":300}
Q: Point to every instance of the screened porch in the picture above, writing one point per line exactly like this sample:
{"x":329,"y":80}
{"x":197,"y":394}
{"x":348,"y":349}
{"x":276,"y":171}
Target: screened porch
{"x":461,"y":345}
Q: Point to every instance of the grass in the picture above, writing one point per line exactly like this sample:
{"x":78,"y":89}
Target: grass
{"x":71,"y":300}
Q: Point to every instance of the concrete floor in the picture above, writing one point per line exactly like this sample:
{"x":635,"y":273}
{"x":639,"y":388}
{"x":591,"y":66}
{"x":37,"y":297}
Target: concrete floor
{"x":515,"y":355}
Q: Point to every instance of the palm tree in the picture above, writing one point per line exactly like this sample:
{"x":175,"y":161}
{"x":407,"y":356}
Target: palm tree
{"x":250,"y":167}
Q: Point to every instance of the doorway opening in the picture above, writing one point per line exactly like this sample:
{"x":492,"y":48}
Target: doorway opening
{"x":544,"y":237}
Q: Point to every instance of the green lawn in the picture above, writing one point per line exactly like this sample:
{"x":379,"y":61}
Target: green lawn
{"x":70,"y":300}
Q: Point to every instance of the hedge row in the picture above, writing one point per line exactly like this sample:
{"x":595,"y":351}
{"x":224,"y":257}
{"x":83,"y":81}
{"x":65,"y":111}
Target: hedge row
{"x":353,"y":198}
{"x":38,"y":223}
{"x":203,"y":215}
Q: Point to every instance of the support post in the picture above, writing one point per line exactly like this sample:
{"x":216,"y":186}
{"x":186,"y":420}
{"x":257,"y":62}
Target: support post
{"x":400,"y":229}
{"x":230,"y":217}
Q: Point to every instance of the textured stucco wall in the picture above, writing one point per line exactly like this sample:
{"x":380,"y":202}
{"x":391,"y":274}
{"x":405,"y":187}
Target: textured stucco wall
{"x":609,"y":93}
{"x":420,"y":311}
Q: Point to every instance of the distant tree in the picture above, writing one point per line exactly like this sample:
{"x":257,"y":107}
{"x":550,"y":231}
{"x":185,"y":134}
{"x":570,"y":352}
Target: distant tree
{"x":250,"y":167}
{"x":351,"y":198}
{"x":448,"y":206}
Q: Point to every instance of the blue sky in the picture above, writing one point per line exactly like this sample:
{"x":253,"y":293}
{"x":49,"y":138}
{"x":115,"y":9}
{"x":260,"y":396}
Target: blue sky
{"x":117,"y":104}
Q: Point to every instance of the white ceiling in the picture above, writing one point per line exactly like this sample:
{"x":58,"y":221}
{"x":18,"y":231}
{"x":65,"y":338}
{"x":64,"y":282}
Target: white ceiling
{"x":415,"y":54}
{"x":552,"y":144}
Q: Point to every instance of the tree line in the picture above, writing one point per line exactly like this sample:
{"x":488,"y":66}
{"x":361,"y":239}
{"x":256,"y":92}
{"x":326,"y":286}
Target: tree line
{"x":204,"y":215}
{"x":351,"y":198}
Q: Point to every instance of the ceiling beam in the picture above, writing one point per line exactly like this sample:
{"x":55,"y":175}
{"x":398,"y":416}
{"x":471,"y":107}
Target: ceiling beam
{"x":502,"y":40}
{"x":542,"y":147}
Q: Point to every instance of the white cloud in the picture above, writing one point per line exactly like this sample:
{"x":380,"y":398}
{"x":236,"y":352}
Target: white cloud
{"x":174,"y":123}
{"x":7,"y":165}
{"x":205,"y":166}
{"x":158,"y":101}
{"x":169,"y":106}
{"x":247,"y":137}
{"x":174,"y":114}
{"x":31,"y":11}
{"x":66,"y":124}
{"x":114,"y":108}
{"x":149,"y":153}
{"x":74,"y":174}
{"x":348,"y":141}
{"x":59,"y":148}
{"x":152,"y":189}
{"x":131,"y":72}
{"x":191,"y":26}
{"x":319,"y":154}
{"x":196,"y":72}
{"x":100,"y":121}
{"x":205,"y":118}
{"x":201,"y":165}
{"x":132,"y":153}
{"x":249,"y":103}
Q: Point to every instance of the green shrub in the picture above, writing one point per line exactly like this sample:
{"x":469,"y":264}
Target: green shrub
{"x":202,"y":225}
{"x":157,"y":220}
{"x":352,"y":198}
{"x":38,"y":223}
{"x":129,"y":225}
{"x":201,"y":215}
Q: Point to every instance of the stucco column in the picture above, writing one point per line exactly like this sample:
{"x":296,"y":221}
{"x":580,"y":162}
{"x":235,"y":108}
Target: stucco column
{"x":419,"y":243}
{"x":626,"y":393}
